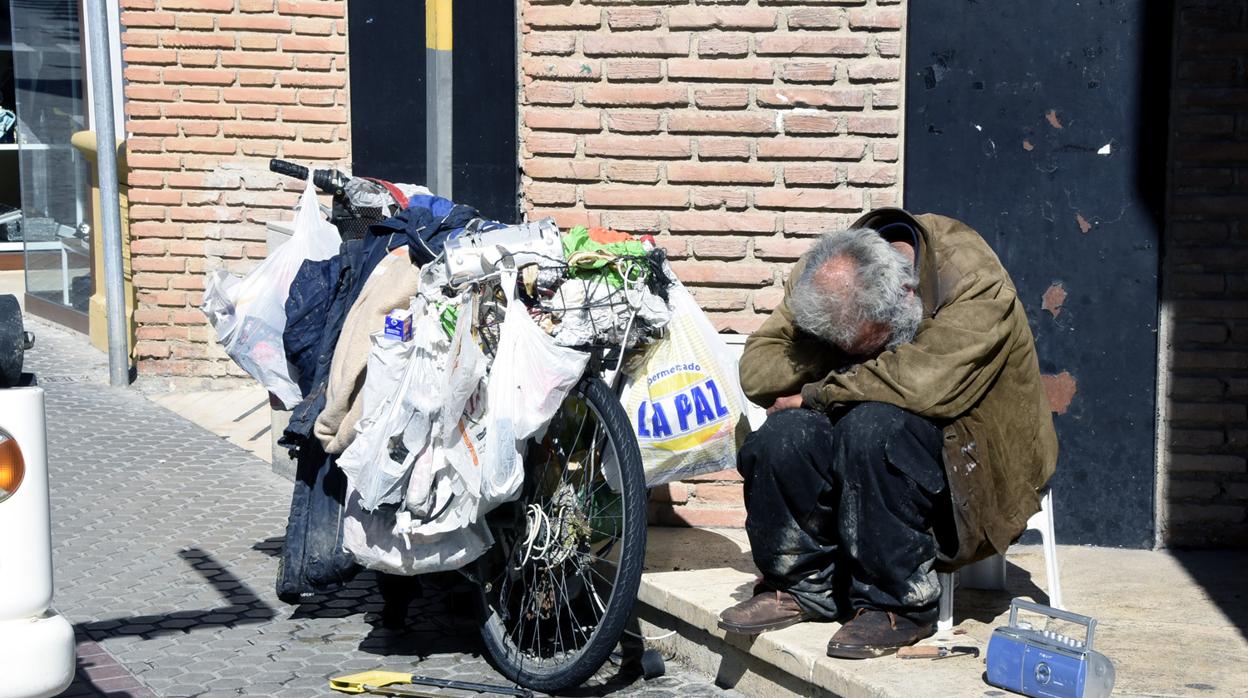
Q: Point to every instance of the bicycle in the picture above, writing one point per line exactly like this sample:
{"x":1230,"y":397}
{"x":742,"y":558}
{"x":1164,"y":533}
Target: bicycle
{"x":561,"y":580}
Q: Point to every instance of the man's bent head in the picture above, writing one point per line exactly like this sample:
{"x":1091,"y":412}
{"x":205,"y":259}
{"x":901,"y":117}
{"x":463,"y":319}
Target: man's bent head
{"x":857,"y":293}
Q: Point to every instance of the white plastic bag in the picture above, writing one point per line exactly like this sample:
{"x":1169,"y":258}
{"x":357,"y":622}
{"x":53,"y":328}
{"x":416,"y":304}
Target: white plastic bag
{"x":529,"y":379}
{"x":249,"y":314}
{"x":684,"y":399}
{"x":388,"y":540}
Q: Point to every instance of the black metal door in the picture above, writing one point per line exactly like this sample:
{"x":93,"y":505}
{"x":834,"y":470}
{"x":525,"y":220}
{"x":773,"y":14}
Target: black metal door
{"x":1042,"y":126}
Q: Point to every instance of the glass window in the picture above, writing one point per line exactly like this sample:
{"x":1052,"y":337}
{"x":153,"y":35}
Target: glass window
{"x":48,"y":79}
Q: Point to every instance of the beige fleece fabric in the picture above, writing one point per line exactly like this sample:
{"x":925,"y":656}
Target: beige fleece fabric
{"x":391,"y":286}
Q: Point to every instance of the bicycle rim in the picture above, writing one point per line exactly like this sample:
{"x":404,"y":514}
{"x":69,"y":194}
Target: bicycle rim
{"x":562,"y":579}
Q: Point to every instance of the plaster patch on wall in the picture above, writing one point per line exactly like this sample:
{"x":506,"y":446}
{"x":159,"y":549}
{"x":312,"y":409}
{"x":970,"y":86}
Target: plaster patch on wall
{"x":1054,"y":297}
{"x":1060,"y":390}
{"x":1084,"y":225}
{"x":1027,"y":145}
{"x":1051,"y":117}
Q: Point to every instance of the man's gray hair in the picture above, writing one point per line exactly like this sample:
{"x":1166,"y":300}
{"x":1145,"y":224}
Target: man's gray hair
{"x":883,"y":278}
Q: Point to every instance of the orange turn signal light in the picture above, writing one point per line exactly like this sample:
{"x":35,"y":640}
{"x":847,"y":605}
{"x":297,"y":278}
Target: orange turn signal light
{"x":12,"y":466}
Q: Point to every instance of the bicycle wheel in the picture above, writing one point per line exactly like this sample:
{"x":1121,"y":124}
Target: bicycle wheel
{"x":562,"y":578}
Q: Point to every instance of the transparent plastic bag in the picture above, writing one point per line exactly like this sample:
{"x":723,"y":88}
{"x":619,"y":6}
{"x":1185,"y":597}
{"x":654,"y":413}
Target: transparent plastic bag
{"x":529,"y":378}
{"x":249,"y":313}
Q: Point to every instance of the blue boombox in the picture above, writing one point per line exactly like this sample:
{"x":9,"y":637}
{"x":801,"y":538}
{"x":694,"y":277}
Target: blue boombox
{"x":1044,"y":664}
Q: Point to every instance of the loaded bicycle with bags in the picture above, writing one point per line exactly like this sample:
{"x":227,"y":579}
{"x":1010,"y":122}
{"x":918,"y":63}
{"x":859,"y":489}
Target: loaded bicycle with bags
{"x":487,"y":398}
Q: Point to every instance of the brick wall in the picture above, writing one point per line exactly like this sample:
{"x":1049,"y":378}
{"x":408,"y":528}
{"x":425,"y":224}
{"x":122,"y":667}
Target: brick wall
{"x":214,"y":88}
{"x":735,"y":129}
{"x":1204,"y":488}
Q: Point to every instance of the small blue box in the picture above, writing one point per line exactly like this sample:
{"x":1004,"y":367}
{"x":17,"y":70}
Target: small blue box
{"x":399,"y":324}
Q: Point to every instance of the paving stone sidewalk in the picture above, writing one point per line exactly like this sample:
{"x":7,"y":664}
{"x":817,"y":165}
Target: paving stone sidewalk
{"x":165,"y":545}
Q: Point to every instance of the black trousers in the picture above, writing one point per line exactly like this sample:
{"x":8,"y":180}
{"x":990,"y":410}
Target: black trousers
{"x":849,"y":511}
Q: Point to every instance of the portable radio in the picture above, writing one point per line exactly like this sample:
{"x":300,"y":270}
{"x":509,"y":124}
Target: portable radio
{"x":472,"y":253}
{"x":1045,"y":664}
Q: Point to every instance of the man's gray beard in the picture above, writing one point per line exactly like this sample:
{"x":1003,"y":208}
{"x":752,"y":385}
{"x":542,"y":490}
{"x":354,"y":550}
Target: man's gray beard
{"x":906,"y":324}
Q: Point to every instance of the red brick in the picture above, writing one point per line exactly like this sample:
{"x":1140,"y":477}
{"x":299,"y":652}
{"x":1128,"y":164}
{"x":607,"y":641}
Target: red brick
{"x":255,"y":5}
{"x":672,"y":492}
{"x":198,"y":59}
{"x":877,"y":71}
{"x":811,"y":149}
{"x":203,"y":180}
{"x":676,"y":248}
{"x":140,"y":178}
{"x":312,"y":80}
{"x":251,"y":129}
{"x":720,"y":493}
{"x":767,"y":299}
{"x":198,"y":5}
{"x":150,"y":56}
{"x":313,"y":61}
{"x":634,"y":95}
{"x":248,"y":59}
{"x":816,"y":174}
{"x":562,"y":17}
{"x":548,"y":68}
{"x":633,"y":221}
{"x":824,"y":199}
{"x":806,"y":123}
{"x":551,"y":144}
{"x":257,"y":42}
{"x":715,"y":222}
{"x":547,"y":194}
{"x":563,"y":119}
{"x":639,"y":70}
{"x":199,"y":111}
{"x":720,"y":173}
{"x":724,"y":148}
{"x":329,"y":8}
{"x":259,"y":112}
{"x":199,"y":145}
{"x":708,"y":198}
{"x":198,"y":76}
{"x":888,"y":46}
{"x":730,"y":475}
{"x":195,"y":22}
{"x":872,"y":174}
{"x":611,"y":196}
{"x":703,"y":122}
{"x":633,"y":121}
{"x":813,"y":18}
{"x":141,"y":110}
{"x":725,"y":274}
{"x":141,"y":73}
{"x":147,"y":19}
{"x":666,"y":515}
{"x":731,"y":70}
{"x":158,"y":264}
{"x":720,"y":247}
{"x":626,"y":18}
{"x":314,"y":44}
{"x":550,"y":93}
{"x":722,"y":98}
{"x":702,"y":17}
{"x":884,"y":152}
{"x":196,"y":40}
{"x":875,"y":19}
{"x":743,"y":324}
{"x":781,"y":249}
{"x":562,"y":169}
{"x":810,"y":45}
{"x":318,"y":133}
{"x":724,"y":45}
{"x":324,"y":115}
{"x":199,"y":128}
{"x":138,"y":37}
{"x":721,"y":298}
{"x":155,"y":196}
{"x":313,"y":26}
{"x":873,"y":125}
{"x":630,"y":44}
{"x":811,"y":97}
{"x":634,"y":172}
{"x":257,"y":78}
{"x":568,"y":217}
{"x":556,"y":44}
{"x":152,"y":161}
{"x":638,"y":146}
{"x":260,"y":95}
{"x":808,"y":71}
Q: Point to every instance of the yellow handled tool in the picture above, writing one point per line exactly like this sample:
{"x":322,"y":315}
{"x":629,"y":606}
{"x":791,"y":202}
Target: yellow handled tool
{"x":385,"y":683}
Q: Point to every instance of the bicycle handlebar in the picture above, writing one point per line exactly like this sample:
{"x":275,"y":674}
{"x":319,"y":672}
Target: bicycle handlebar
{"x":328,"y":181}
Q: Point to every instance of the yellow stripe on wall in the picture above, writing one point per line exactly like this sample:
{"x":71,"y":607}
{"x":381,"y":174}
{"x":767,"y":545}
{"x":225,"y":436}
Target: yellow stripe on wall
{"x":438,"y":24}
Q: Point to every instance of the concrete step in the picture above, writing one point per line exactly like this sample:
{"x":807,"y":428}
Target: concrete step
{"x":1172,"y":624}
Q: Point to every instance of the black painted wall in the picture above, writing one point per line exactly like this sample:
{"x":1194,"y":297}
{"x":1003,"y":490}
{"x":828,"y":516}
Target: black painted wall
{"x":387,"y":41}
{"x":1042,"y":126}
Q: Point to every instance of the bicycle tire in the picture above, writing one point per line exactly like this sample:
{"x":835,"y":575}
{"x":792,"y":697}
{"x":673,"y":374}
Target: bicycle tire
{"x":507,"y":649}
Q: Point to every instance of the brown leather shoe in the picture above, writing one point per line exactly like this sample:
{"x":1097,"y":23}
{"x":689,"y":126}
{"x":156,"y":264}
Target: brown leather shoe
{"x":768,"y":609}
{"x":872,"y":633}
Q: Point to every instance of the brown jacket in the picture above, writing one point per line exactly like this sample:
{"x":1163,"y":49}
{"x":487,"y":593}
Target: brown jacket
{"x":971,"y":368}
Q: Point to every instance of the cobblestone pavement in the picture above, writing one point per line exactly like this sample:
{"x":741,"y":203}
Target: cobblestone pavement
{"x":165,"y":542}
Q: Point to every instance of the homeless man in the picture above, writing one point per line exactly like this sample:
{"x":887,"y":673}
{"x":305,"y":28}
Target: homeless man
{"x":907,"y":430}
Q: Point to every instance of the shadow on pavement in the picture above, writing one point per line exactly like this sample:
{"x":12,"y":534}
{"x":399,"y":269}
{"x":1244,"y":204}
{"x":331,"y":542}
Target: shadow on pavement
{"x":1220,"y":573}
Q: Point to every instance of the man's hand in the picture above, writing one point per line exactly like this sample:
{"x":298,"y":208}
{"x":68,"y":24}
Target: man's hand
{"x":791,"y":402}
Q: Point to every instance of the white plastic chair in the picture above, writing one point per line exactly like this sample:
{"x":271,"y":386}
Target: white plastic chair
{"x":989,"y":573}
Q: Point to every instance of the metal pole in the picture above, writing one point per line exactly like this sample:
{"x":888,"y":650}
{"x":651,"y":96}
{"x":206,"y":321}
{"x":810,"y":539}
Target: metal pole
{"x":110,"y":208}
{"x":438,"y":91}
